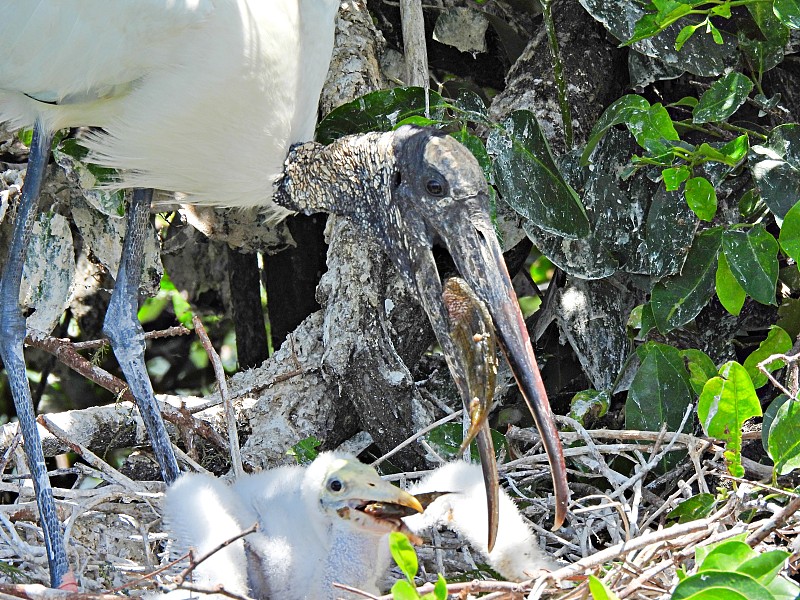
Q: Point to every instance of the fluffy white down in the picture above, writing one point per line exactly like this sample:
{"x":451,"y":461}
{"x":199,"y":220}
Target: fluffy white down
{"x":516,"y":554}
{"x":299,"y":550}
{"x":179,"y":86}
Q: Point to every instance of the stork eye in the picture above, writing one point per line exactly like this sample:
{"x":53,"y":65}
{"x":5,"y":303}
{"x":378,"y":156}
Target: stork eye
{"x":434,"y":187}
{"x":335,"y":485}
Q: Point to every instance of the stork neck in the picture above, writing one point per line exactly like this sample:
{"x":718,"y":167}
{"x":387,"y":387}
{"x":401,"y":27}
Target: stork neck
{"x":349,"y":177}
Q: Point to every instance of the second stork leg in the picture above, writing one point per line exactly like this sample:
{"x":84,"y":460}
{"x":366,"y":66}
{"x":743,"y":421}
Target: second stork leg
{"x":12,"y":338}
{"x":122,"y":327}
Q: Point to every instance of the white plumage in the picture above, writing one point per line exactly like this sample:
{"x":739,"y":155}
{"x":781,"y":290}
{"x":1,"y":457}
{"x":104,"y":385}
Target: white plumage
{"x":175,"y":84}
{"x":307,"y":539}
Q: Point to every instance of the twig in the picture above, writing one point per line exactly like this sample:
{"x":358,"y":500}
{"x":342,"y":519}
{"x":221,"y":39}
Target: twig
{"x":148,"y":335}
{"x":774,"y":522}
{"x":417,"y":435}
{"x":230,"y":413}
{"x":89,"y":456}
{"x":194,"y":563}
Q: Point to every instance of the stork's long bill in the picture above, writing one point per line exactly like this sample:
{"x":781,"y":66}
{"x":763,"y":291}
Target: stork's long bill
{"x":414,"y":188}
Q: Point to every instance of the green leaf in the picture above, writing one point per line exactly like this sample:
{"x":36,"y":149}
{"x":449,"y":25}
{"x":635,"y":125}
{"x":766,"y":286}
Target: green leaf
{"x":529,"y":180}
{"x":659,"y":392}
{"x":619,"y":112}
{"x":727,"y":556}
{"x":678,"y":299}
{"x":652,"y":128}
{"x":788,"y":11}
{"x":776,"y":342}
{"x":404,"y":555}
{"x":599,"y":590}
{"x":752,"y":257}
{"x":726,"y":403}
{"x":715,"y":33}
{"x":701,"y":198}
{"x":305,"y":451}
{"x":775,"y":167}
{"x":784,"y":438}
{"x":589,"y":405}
{"x":731,"y":295}
{"x":379,"y":111}
{"x":720,"y":585}
{"x":684,"y":35}
{"x":403,"y":590}
{"x":764,"y":567}
{"x":440,"y":588}
{"x":675,"y":176}
{"x":789,"y":237}
{"x":696,"y":507}
{"x":701,"y":552}
{"x":769,"y":419}
{"x":701,"y":368}
{"x":723,"y":98}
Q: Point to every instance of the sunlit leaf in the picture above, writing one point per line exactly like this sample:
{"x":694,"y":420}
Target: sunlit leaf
{"x":723,"y":98}
{"x":753,"y":259}
{"x":726,"y":403}
{"x":776,"y":342}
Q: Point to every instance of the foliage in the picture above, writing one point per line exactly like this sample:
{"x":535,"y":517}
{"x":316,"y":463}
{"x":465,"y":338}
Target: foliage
{"x":405,"y":556}
{"x":732,"y":569}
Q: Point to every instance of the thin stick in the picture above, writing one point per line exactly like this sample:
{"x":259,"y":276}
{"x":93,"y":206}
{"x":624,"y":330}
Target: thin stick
{"x":89,"y":456}
{"x":417,"y":435}
{"x":230,"y":413}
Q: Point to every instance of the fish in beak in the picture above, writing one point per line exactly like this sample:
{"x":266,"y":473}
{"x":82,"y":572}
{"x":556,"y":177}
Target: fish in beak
{"x":415,"y":188}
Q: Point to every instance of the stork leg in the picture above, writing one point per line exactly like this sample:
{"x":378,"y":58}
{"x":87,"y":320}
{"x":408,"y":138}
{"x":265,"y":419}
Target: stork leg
{"x":122,"y":327}
{"x":12,"y":338}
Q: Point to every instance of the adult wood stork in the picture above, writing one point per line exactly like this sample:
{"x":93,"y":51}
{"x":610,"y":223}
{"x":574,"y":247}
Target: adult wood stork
{"x":173,"y":85}
{"x":327,"y":523}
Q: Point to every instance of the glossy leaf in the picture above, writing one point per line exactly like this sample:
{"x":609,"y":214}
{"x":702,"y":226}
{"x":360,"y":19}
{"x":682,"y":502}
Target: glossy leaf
{"x":727,"y":556}
{"x":678,"y":299}
{"x":659,"y":392}
{"x":696,"y":507}
{"x":784,"y":438}
{"x":769,"y":418}
{"x":764,"y":567}
{"x":403,"y":590}
{"x":789,"y":238}
{"x":378,"y":111}
{"x":775,"y":167}
{"x":529,"y":180}
{"x":599,"y":590}
{"x":788,"y":11}
{"x":701,"y":198}
{"x":675,"y":176}
{"x":589,"y":404}
{"x":701,"y":368}
{"x":726,"y":403}
{"x":723,"y":98}
{"x":776,"y":342}
{"x":720,"y":585}
{"x":731,"y":295}
{"x":403,"y":554}
{"x":752,"y":257}
{"x":619,"y":112}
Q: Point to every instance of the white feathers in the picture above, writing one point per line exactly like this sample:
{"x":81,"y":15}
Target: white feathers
{"x":516,"y":554}
{"x":179,"y":86}
{"x":311,"y":535}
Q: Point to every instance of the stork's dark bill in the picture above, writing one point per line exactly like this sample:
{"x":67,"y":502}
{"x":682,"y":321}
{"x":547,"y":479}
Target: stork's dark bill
{"x":413,"y":188}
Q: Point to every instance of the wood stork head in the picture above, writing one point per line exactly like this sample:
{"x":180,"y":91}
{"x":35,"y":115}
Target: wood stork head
{"x":351,"y":494}
{"x":415,"y":189}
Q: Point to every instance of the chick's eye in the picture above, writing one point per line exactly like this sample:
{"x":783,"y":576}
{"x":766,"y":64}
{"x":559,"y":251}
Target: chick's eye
{"x":434,"y":187}
{"x":335,"y":485}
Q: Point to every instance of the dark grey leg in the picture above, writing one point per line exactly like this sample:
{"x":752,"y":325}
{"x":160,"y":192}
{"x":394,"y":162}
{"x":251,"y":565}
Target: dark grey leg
{"x":122,"y":327}
{"x":12,"y":338}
